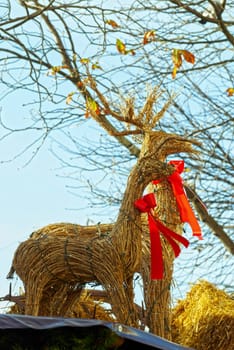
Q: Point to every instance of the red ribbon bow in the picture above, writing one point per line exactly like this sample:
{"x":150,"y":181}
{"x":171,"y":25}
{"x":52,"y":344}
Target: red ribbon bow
{"x":145,"y":205}
{"x":185,"y":210}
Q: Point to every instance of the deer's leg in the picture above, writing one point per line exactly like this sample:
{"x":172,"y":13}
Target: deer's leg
{"x":110,"y":273}
{"x":157,"y":294}
{"x":71,"y":299}
{"x":33,"y":294}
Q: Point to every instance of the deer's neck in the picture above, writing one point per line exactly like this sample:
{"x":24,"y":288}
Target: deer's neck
{"x":127,"y":232}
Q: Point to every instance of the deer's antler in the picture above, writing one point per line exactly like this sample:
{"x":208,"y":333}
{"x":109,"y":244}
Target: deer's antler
{"x":143,"y":121}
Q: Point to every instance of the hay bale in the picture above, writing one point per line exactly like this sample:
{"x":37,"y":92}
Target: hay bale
{"x":205,"y":319}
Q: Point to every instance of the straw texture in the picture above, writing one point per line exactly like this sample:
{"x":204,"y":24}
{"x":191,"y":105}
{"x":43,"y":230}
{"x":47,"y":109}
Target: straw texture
{"x":57,"y":261}
{"x":90,"y":306}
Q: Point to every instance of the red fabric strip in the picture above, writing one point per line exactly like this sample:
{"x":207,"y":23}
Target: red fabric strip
{"x":186,"y":212}
{"x":156,"y":256}
{"x":145,"y":205}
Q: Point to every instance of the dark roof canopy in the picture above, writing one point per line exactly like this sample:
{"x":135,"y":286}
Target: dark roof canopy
{"x":133,"y":336}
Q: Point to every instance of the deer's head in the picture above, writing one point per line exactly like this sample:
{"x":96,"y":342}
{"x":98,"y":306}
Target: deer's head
{"x":159,"y":144}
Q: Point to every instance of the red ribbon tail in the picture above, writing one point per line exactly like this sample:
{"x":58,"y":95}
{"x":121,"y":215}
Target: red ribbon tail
{"x":156,"y":250}
{"x":172,"y":237}
{"x":145,"y":204}
{"x":187,"y":215}
{"x":186,"y":212}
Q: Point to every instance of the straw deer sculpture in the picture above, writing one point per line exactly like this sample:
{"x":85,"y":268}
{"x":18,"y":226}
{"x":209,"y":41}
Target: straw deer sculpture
{"x":55,"y":267}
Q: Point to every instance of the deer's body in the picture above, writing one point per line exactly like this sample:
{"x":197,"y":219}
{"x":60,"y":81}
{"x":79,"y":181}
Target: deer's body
{"x":54,"y":268}
{"x":109,"y":259}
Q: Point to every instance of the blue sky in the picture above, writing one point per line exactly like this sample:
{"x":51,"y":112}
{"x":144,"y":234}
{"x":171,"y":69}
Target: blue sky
{"x":31,"y":197}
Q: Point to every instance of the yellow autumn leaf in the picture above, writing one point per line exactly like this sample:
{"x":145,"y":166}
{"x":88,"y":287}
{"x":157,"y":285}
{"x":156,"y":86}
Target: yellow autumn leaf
{"x":56,"y":69}
{"x":230,"y":91}
{"x":84,"y":60}
{"x":174,"y":71}
{"x":121,"y":47}
{"x":96,"y":66}
{"x":149,"y":36}
{"x":69,"y":97}
{"x":91,"y":106}
{"x":177,"y":58}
